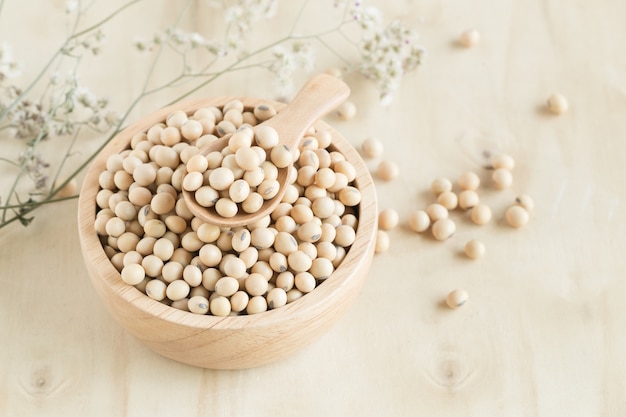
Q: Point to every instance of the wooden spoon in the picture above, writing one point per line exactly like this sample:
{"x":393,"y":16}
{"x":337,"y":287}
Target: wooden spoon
{"x":318,"y":96}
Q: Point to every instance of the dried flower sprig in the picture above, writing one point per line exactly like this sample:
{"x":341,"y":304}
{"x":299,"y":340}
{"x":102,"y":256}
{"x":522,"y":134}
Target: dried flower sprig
{"x":64,"y":108}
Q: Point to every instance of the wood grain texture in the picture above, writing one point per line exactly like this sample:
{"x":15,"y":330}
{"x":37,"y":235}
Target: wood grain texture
{"x":543,"y":331}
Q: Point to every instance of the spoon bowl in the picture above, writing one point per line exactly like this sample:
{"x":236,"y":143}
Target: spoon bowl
{"x":320,"y":95}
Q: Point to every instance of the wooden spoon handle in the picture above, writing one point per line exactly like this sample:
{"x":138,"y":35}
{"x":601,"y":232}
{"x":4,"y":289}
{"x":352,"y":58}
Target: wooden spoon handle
{"x":320,"y":95}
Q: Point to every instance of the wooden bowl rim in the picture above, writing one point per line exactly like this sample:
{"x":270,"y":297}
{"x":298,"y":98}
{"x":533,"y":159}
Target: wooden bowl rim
{"x":329,"y":291}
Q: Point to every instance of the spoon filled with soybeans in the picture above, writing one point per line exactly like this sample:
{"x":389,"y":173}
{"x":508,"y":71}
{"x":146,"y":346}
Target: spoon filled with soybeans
{"x":239,"y":192}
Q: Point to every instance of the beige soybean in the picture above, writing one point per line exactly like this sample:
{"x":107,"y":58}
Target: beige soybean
{"x":321,"y":268}
{"x":443,"y":229}
{"x":305,"y":282}
{"x":308,"y":248}
{"x":293,"y":294}
{"x":206,"y":196}
{"x":127,"y":242}
{"x":172,"y":271}
{"x":144,"y":174}
{"x":299,"y":261}
{"x":440,"y":185}
{"x":156,"y":289}
{"x":502,"y":178}
{"x":235,"y":267}
{"x":436,"y":212}
{"x":469,"y":181}
{"x":285,"y":243}
{"x":345,"y":236}
{"x":276,"y":297}
{"x":281,"y":156}
{"x":115,"y":226}
{"x":176,"y":118}
{"x":221,"y":178}
{"x":323,"y":207}
{"x":382,"y":242}
{"x":177,"y":290}
{"x":256,"y":305}
{"x":198,"y":304}
{"x":346,"y":110}
{"x":162,"y":203}
{"x":239,"y":191}
{"x":192,"y":129}
{"x":448,"y":199}
{"x":239,"y":301}
{"x":247,"y":158}
{"x":210,"y":255}
{"x":387,"y":170}
{"x":268,"y":189}
{"x":469,"y":38}
{"x":310,"y":232}
{"x":163,"y":249}
{"x":324,"y":178}
{"x":208,"y":233}
{"x":468,"y":199}
{"x":503,"y":161}
{"x":419,"y":221}
{"x":388,"y":219}
{"x":192,"y":275}
{"x":226,"y":207}
{"x":525,"y":201}
{"x":474,"y":249}
{"x":133,"y":274}
{"x":220,"y":306}
{"x":372,"y":148}
{"x":516,"y":216}
{"x":557,"y":104}
{"x":256,"y":284}
{"x":350,"y":196}
{"x":252,"y":203}
{"x":226,"y":286}
{"x":480,"y":214}
{"x":263,"y":112}
{"x":278,"y":262}
{"x":152,"y":265}
{"x":457,"y":298}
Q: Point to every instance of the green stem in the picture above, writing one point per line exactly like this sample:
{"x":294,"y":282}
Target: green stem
{"x":55,"y":188}
{"x":9,"y":161}
{"x":298,"y":17}
{"x":22,"y":171}
{"x":35,"y":204}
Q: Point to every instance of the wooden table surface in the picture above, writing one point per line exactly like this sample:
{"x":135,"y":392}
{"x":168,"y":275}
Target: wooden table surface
{"x":544,"y":331}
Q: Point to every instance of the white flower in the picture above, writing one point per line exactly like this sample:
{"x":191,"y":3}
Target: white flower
{"x":71,"y":6}
{"x":86,"y":98}
{"x":233,"y":13}
{"x":195,"y":40}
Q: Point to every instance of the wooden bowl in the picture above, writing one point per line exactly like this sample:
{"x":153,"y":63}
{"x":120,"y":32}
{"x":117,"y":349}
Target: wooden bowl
{"x":236,"y":341}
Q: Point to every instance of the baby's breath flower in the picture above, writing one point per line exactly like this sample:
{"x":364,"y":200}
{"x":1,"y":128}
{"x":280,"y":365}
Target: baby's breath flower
{"x":71,"y":6}
{"x":85,"y":97}
{"x":141,"y":44}
{"x":287,"y":60}
{"x":387,"y":53}
{"x":36,"y":168}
